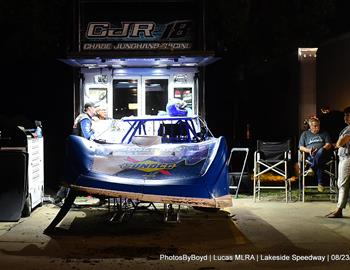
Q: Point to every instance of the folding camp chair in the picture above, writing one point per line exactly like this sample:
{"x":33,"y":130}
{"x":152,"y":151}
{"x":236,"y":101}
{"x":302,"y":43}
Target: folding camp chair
{"x":272,"y":157}
{"x":239,"y":174}
{"x":330,"y":169}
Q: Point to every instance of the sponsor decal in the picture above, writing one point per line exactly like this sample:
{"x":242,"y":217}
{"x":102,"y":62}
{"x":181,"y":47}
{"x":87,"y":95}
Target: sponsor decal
{"x":149,"y":166}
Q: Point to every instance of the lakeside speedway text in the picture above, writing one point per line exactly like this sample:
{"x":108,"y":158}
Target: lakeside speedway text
{"x":255,"y":257}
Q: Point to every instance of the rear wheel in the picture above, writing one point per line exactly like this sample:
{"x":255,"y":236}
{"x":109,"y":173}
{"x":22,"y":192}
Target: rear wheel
{"x":27,"y":208}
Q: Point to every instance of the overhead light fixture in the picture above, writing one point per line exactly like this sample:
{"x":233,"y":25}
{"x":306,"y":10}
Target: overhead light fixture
{"x":307,"y":52}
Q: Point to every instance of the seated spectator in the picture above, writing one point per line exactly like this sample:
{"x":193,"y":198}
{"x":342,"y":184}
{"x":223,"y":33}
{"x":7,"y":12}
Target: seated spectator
{"x":316,"y":144}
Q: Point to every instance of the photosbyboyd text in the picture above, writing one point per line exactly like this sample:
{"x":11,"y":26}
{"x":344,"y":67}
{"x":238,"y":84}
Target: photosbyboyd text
{"x":256,"y":257}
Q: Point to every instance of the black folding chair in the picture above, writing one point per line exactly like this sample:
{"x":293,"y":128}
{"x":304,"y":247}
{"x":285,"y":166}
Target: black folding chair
{"x":272,"y":157}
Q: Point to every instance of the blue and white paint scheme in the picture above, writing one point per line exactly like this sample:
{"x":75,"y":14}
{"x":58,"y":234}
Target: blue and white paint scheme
{"x":160,"y":159}
{"x":189,"y":168}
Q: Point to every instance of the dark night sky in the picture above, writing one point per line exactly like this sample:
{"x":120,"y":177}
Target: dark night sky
{"x":252,"y":36}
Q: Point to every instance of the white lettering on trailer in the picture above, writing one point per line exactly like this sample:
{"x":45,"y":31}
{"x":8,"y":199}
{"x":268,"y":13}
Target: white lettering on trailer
{"x":97,"y":46}
{"x":138,"y":46}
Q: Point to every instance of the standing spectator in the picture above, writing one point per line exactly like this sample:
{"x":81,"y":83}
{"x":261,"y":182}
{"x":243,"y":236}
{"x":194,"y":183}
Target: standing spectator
{"x":343,"y":145}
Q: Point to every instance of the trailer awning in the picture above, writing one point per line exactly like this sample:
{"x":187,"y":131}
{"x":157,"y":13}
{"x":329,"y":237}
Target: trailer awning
{"x":125,"y":60}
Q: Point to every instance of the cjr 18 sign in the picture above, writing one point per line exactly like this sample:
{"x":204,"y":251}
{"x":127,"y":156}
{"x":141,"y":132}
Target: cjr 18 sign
{"x":139,"y":30}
